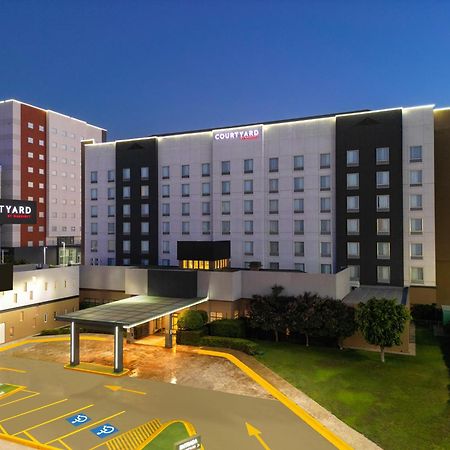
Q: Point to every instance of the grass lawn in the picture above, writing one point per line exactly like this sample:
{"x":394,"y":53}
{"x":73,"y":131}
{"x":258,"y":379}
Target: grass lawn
{"x":7,"y":388}
{"x":402,"y":404}
{"x":168,"y":437}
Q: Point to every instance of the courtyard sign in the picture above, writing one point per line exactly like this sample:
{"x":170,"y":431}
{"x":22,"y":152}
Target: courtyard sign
{"x":17,"y":211}
{"x":243,"y":135}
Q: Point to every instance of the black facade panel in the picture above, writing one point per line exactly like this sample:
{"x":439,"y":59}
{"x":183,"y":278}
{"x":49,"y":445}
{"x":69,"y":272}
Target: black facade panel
{"x":172,"y":283}
{"x":6,"y":277}
{"x":203,"y":250}
{"x":134,"y":155}
{"x":366,"y":132}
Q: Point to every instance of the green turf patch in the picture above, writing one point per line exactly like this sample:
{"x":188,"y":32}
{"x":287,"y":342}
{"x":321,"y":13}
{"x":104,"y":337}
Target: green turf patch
{"x":168,"y":437}
{"x":401,"y":404}
{"x":7,"y":388}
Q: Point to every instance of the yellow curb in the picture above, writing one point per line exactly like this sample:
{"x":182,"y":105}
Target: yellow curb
{"x":26,"y":443}
{"x":98,"y":372}
{"x":286,"y":401}
{"x":18,"y":389}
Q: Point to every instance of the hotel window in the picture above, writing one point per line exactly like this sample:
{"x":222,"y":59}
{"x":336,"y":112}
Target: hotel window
{"x":248,"y":206}
{"x":166,"y":209}
{"x":111,"y":193}
{"x":352,"y":226}
{"x":206,"y":227}
{"x":185,"y":171}
{"x":145,"y":246}
{"x":325,"y":226}
{"x":415,"y":153}
{"x":415,"y":202}
{"x":41,"y":157}
{"x":352,"y":249}
{"x":383,"y":179}
{"x":382,"y":155}
{"x":30,"y":155}
{"x":226,"y":207}
{"x":299,"y":184}
{"x":248,"y":186}
{"x":126,"y":227}
{"x":215,"y":316}
{"x":274,"y":266}
{"x":300,"y":267}
{"x":206,"y":208}
{"x":325,"y":160}
{"x":94,"y":211}
{"x":145,"y":173}
{"x":185,"y":190}
{"x":383,"y":250}
{"x":126,"y":245}
{"x":30,"y":170}
{"x":353,"y":181}
{"x":225,"y":167}
{"x":273,"y":164}
{"x":299,"y":162}
{"x":354,"y":273}
{"x":111,"y":227}
{"x":41,"y":142}
{"x":94,"y":194}
{"x":145,"y":209}
{"x":30,"y":140}
{"x":383,"y":226}
{"x":126,"y":209}
{"x":325,"y":268}
{"x":126,"y":261}
{"x":225,"y":188}
{"x":30,"y":125}
{"x":126,"y":174}
{"x":165,"y":172}
{"x":273,"y":226}
{"x":126,"y":192}
{"x":415,"y":178}
{"x":145,"y":191}
{"x":111,"y":261}
{"x":226,"y":228}
{"x":94,"y":246}
{"x":325,"y":182}
{"x":416,"y":250}
{"x":185,"y":228}
{"x":185,"y":209}
{"x":30,"y":184}
{"x":248,"y":165}
{"x":299,"y":249}
{"x":383,"y":274}
{"x":416,"y":226}
{"x":274,"y":249}
{"x":352,"y":158}
{"x":248,"y":226}
{"x":417,"y":275}
{"x":273,"y":185}
{"x":145,"y":227}
{"x":248,"y":248}
{"x":111,"y":176}
{"x":299,"y":226}
{"x":206,"y":170}
{"x":166,"y":228}
{"x":382,"y":202}
{"x":273,"y":206}
{"x":166,"y":246}
{"x":111,"y":210}
{"x":325,"y":204}
{"x":165,"y":190}
{"x":325,"y":249}
{"x":299,"y":205}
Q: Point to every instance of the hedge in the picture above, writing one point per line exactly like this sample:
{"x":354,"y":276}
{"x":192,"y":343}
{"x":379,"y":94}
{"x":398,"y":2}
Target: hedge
{"x":53,"y":331}
{"x":191,"y":320}
{"x":244,"y":345}
{"x":234,"y":328}
{"x":193,"y":337}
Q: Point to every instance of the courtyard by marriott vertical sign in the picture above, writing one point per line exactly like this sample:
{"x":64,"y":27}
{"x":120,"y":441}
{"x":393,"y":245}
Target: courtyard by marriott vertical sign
{"x":17,"y":211}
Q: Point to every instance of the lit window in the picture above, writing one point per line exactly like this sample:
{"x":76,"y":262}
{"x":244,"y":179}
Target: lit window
{"x":30,"y":140}
{"x":145,"y":191}
{"x":383,"y":226}
{"x":30,"y":125}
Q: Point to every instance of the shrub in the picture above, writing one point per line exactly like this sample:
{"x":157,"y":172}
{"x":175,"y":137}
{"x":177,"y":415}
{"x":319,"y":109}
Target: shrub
{"x":244,"y":345}
{"x":204,"y":315}
{"x":53,"y":331}
{"x":190,"y":337}
{"x":191,"y":320}
{"x":234,"y":328}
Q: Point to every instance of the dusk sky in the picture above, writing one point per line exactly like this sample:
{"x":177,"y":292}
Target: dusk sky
{"x":146,"y":67}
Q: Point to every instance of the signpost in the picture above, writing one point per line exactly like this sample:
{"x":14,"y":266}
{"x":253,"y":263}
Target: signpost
{"x":191,"y":443}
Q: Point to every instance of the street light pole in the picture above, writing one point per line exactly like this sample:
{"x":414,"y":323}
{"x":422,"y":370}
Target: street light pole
{"x":45,"y":256}
{"x":64,"y":253}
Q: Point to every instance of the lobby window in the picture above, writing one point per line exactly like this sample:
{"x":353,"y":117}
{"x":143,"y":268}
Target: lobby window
{"x":352,"y":249}
{"x":299,"y":162}
{"x":225,"y":188}
{"x":248,"y":186}
{"x":248,"y":206}
{"x":185,"y":190}
{"x":226,"y":167}
{"x":354,"y":273}
{"x":299,"y":249}
{"x":94,"y":194}
{"x":185,"y":209}
{"x":273,"y":206}
{"x":126,"y":174}
{"x":248,"y":226}
{"x":382,"y":202}
{"x":273,"y":185}
{"x":325,"y":249}
{"x":145,"y":246}
{"x":126,"y":245}
{"x":299,"y":226}
{"x":274,"y":248}
{"x":94,"y":176}
{"x":206,"y":189}
{"x":325,"y":268}
{"x":382,"y":155}
{"x":383,"y":250}
{"x":416,"y":250}
{"x":206,"y":208}
{"x":352,"y":226}
{"x":166,"y":228}
{"x":206,"y":170}
{"x":383,"y":274}
{"x":145,"y":227}
{"x":185,"y":171}
{"x":226,"y":207}
{"x":325,"y":160}
{"x":415,"y":153}
{"x":165,"y":172}
{"x":111,"y":193}
{"x":126,"y":227}
{"x":248,"y":248}
{"x":145,"y":210}
{"x":206,"y":227}
{"x":165,"y":190}
{"x":185,"y":228}
{"x":166,"y":209}
{"x":352,"y":158}
{"x":416,"y":226}
{"x":273,"y":226}
{"x":325,"y":226}
{"x":126,"y":192}
{"x":299,"y":184}
{"x":274,"y":266}
{"x":111,"y":176}
{"x":94,"y":228}
{"x":415,"y":178}
{"x":111,"y":210}
{"x":417,"y":275}
{"x":215,"y":316}
{"x":353,"y":181}
{"x":273,"y":164}
{"x":226,"y":227}
{"x":299,"y":205}
{"x":325,"y":204}
{"x":94,"y":212}
{"x":383,"y":226}
{"x":300,"y":267}
{"x":166,"y":247}
{"x":415,"y":202}
{"x":94,"y":246}
{"x":248,"y":165}
{"x":111,"y":228}
{"x":325,"y":182}
{"x":383,"y":179}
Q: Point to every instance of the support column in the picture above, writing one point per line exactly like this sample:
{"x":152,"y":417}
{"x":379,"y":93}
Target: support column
{"x":74,"y":344}
{"x":169,"y":343}
{"x":118,"y":349}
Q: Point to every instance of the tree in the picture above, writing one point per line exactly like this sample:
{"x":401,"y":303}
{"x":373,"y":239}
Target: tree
{"x":382,"y":322}
{"x":305,"y":317}
{"x":191,"y":320}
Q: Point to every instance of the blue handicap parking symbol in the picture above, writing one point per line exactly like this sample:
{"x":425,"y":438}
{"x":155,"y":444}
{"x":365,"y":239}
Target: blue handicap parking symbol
{"x":104,"y":430}
{"x":78,"y":419}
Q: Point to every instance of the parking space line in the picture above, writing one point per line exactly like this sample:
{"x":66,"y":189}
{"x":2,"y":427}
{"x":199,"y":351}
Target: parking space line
{"x":9,"y":369}
{"x":54,"y":419}
{"x":20,"y":399}
{"x":64,"y":444}
{"x":29,"y":436}
{"x":85,"y":427}
{"x":34,"y":410}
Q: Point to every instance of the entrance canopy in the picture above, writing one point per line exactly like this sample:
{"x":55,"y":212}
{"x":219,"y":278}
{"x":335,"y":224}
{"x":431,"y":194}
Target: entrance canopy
{"x":130,"y":312}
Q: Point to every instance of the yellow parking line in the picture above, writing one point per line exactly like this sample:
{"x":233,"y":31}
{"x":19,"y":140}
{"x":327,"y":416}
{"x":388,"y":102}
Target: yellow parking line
{"x":54,"y":419}
{"x":28,"y":435}
{"x":20,"y":399}
{"x":2,"y":429}
{"x":34,"y":410}
{"x":9,"y":369}
{"x":63,"y":444}
{"x":83,"y":428}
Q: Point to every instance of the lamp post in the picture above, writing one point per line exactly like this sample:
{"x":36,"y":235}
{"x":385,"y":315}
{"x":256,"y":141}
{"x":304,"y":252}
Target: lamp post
{"x":64,"y":253}
{"x":45,"y":256}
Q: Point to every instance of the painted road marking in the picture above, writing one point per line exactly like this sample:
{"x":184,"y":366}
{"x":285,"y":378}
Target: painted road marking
{"x":78,"y":419}
{"x":84,"y":428}
{"x":34,"y":410}
{"x":9,"y":369}
{"x":32,"y":394}
{"x":252,"y":431}
{"x":114,"y":388}
{"x":104,"y":430}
